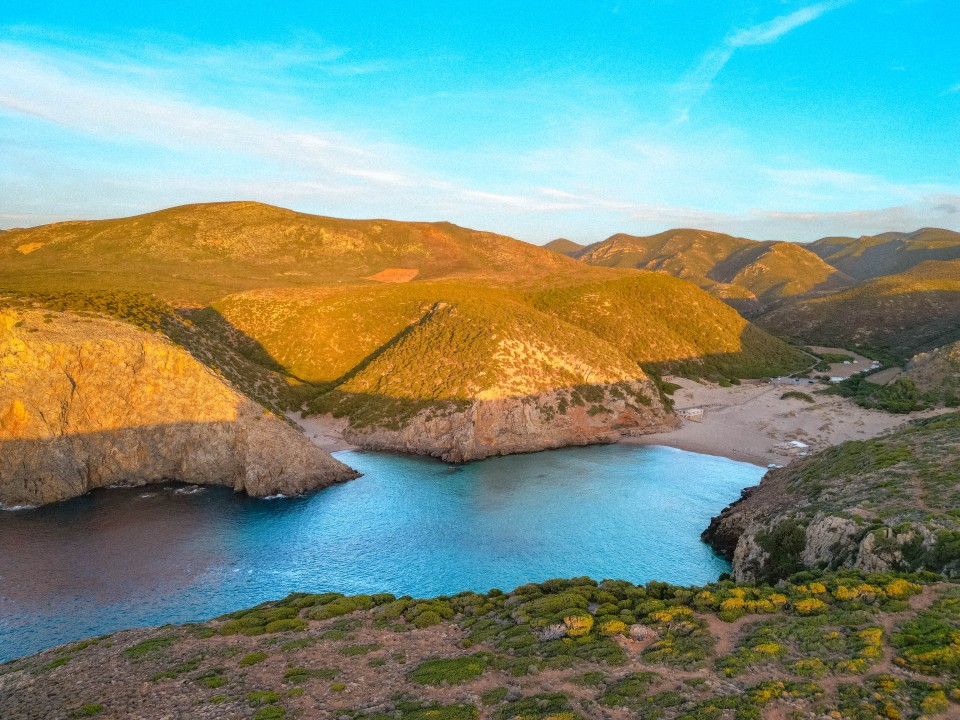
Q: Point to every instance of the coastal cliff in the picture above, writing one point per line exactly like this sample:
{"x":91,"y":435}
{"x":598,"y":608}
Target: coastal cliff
{"x":890,"y":503}
{"x":483,"y":428}
{"x":87,"y":402}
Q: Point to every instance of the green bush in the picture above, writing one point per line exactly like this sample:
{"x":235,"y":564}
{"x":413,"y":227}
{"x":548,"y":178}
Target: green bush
{"x":453,"y":671}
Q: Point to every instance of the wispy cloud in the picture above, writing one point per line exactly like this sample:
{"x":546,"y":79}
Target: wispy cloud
{"x":95,"y":132}
{"x":699,"y":80}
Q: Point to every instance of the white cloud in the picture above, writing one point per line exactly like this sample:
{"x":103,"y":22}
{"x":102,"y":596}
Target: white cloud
{"x":698,"y":81}
{"x":585,"y":183}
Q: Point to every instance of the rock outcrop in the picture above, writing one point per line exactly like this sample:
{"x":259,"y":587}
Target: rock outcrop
{"x":87,"y":402}
{"x":879,"y":505}
{"x":503,"y":426}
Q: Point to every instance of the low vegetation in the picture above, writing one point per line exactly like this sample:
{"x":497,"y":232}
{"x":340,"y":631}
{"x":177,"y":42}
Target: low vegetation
{"x":836,"y":644}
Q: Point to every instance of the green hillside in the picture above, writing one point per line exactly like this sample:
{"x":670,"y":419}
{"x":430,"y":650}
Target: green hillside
{"x":727,"y":266}
{"x":892,"y":502}
{"x":888,"y":253}
{"x":579,"y":333}
{"x":668,"y":325}
{"x":898,"y":315}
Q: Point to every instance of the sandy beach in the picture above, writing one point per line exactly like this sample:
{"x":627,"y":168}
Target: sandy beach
{"x":747,"y":422}
{"x":744,"y":422}
{"x":325,"y":431}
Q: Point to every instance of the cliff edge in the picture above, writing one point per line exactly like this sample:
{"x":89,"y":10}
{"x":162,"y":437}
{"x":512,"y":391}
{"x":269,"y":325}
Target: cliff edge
{"x":87,"y":402}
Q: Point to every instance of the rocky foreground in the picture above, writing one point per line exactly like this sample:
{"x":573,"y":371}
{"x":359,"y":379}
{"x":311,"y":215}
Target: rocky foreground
{"x":87,"y":402}
{"x":833,"y":646}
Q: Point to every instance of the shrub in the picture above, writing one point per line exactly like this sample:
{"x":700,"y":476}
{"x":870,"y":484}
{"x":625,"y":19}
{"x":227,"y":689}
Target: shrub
{"x":453,"y":671}
{"x":252,"y":659}
{"x":85,"y":711}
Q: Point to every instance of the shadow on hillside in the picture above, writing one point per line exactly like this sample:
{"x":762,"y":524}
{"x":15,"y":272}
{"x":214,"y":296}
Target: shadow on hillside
{"x":36,"y":471}
{"x":759,"y":356}
{"x":902,"y":324}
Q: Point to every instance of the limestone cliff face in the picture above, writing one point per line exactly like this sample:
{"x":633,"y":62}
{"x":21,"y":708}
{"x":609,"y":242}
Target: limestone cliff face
{"x":503,"y":426}
{"x":87,"y":402}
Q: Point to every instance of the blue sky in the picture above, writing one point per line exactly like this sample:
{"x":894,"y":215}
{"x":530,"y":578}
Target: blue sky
{"x":765,"y":118}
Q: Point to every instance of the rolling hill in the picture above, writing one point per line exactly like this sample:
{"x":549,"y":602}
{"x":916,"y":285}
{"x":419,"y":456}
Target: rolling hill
{"x":898,"y":315}
{"x":427,"y":337}
{"x":889,"y":253}
{"x":727,"y":266}
{"x":198,"y":253}
{"x":564,"y":247}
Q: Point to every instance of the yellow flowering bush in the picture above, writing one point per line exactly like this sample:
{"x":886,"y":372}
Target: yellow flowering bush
{"x":734,"y":603}
{"x":770,"y":648}
{"x":809,"y":606}
{"x":613,"y":627}
{"x":578,"y":625}
{"x":901,"y":588}
{"x":934,"y":703}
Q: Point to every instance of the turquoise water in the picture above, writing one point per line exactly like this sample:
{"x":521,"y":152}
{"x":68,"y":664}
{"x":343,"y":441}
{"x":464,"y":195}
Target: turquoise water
{"x":148,"y":556}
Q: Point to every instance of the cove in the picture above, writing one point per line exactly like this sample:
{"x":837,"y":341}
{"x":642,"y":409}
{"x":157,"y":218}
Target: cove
{"x":164,"y":554}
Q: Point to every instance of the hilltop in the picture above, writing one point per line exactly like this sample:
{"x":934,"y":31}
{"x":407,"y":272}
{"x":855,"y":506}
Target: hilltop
{"x":891,"y":294}
{"x":564,"y":247}
{"x":198,"y":253}
{"x":889,"y":253}
{"x":729,"y":267}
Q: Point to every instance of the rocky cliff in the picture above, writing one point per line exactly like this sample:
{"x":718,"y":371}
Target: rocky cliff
{"x":87,"y":402}
{"x":891,"y":503}
{"x":502,"y":426}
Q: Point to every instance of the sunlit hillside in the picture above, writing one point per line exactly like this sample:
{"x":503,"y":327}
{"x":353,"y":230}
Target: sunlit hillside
{"x":198,"y":253}
{"x":457,"y":340}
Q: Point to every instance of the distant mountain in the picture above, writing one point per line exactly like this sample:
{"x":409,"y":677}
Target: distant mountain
{"x":902,"y":314}
{"x":564,"y":247}
{"x":727,"y":266}
{"x":889,"y":253}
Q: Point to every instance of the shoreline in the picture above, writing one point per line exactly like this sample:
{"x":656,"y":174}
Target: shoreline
{"x":750,"y":423}
{"x":672,"y":440}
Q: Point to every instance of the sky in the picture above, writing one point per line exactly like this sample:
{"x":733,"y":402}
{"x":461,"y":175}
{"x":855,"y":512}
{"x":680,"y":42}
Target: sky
{"x":770,"y":119}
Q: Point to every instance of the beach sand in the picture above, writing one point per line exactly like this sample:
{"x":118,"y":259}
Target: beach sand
{"x":746,"y":422}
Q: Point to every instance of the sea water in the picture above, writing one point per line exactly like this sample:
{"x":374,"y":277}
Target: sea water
{"x":166,"y":554}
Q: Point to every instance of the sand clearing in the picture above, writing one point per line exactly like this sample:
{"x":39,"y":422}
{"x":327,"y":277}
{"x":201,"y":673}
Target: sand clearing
{"x":324,"y":431}
{"x":394,"y":275}
{"x":745,"y":422}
